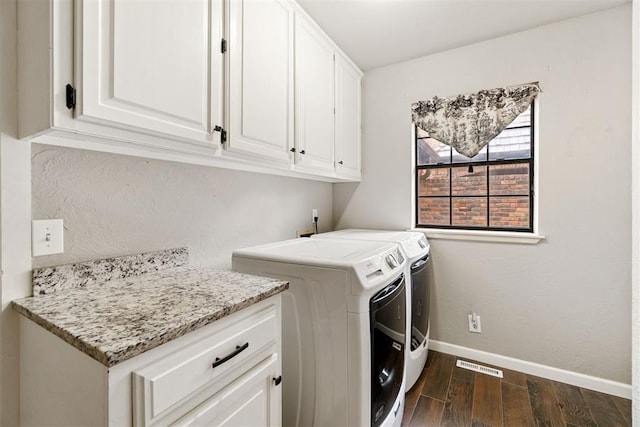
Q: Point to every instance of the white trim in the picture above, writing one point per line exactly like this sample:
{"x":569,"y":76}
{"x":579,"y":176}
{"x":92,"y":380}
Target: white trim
{"x":635,"y":209}
{"x":481,"y":235}
{"x":536,"y":166}
{"x":574,"y":378}
{"x":214,"y":159}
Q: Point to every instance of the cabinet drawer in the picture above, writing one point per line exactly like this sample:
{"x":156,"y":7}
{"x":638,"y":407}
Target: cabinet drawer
{"x":247,"y":401}
{"x":162,"y":385}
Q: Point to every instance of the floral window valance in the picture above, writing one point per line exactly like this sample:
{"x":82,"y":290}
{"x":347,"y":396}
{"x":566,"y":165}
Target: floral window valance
{"x":468,"y":122}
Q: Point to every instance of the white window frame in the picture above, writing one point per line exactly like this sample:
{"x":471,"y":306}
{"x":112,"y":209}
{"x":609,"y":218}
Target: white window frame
{"x":517,"y":237}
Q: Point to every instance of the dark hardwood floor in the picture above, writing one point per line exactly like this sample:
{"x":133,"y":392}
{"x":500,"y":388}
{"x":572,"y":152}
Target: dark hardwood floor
{"x":446,"y":395}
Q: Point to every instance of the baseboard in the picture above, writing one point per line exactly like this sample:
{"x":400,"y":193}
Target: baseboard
{"x":574,"y":378}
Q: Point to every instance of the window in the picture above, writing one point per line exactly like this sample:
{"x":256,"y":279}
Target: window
{"x":491,"y":191}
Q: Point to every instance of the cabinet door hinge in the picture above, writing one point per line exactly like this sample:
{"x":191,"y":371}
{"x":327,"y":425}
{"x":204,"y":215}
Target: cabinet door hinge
{"x":223,"y":133}
{"x":223,"y":46}
{"x":71,"y":96}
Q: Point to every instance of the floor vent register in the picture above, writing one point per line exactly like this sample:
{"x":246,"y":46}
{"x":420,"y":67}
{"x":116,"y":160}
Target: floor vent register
{"x":479,"y":368}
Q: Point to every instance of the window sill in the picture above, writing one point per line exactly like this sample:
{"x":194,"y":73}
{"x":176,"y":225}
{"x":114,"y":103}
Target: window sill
{"x":482,"y":236}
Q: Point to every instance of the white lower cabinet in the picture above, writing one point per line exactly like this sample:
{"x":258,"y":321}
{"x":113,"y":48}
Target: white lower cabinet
{"x":227,"y":373}
{"x":245,"y":402}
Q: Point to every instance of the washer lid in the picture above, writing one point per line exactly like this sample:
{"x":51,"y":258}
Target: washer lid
{"x":413,"y":243}
{"x":324,"y":252}
{"x":373,"y":262}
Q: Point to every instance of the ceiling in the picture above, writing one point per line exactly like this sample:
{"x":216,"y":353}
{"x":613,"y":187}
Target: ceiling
{"x":375,"y":33}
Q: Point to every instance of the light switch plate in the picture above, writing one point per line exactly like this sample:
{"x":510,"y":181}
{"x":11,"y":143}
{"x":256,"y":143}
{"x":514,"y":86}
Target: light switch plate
{"x":47,"y":237}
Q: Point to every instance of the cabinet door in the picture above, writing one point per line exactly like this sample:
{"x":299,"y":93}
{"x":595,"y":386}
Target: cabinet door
{"x":252,"y":400}
{"x":347,"y":118}
{"x":314,"y":97}
{"x":154,"y":67}
{"x":261,"y":78}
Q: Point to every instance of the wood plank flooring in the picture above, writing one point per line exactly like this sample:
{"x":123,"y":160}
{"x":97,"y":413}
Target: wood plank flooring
{"x":446,"y":395}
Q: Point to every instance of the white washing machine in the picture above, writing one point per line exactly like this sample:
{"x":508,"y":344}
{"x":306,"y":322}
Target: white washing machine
{"x":343,"y":328}
{"x":415,"y":247}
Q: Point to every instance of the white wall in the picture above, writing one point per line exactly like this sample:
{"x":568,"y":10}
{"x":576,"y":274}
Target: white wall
{"x":15,"y":217}
{"x":564,"y":302}
{"x":635,"y":120}
{"x":115,"y":205}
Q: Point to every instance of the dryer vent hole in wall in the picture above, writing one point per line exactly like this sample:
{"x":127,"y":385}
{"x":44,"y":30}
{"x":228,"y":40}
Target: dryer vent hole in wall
{"x":305,"y":232}
{"x":479,"y":368}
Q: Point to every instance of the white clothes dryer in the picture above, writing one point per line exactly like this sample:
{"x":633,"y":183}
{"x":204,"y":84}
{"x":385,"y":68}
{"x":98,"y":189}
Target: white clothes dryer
{"x":343,"y":328}
{"x":416,"y":248}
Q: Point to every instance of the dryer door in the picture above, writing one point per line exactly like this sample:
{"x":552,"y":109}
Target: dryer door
{"x":388,"y":326}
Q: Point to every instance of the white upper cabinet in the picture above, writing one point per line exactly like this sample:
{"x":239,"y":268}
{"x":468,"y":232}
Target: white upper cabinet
{"x":261,"y":79}
{"x":179,"y":79}
{"x":347,"y":118}
{"x":314,"y":97}
{"x":147,"y":77}
{"x":156,"y":67}
{"x":327,"y":105}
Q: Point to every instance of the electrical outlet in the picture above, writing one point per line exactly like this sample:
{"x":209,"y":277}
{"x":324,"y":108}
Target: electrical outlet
{"x":474,"y":323}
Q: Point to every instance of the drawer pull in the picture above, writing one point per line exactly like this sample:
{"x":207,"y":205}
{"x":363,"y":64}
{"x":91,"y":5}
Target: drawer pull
{"x":239,"y":349}
{"x":278,"y":380}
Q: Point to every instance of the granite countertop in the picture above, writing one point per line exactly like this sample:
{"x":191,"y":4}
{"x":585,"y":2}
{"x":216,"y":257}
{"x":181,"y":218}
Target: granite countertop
{"x":113,"y":310}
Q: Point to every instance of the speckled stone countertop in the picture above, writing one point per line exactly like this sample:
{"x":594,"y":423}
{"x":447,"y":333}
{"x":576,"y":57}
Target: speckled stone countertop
{"x":119,"y":318}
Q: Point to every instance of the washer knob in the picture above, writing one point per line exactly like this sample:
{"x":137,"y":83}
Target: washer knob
{"x":391,"y":261}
